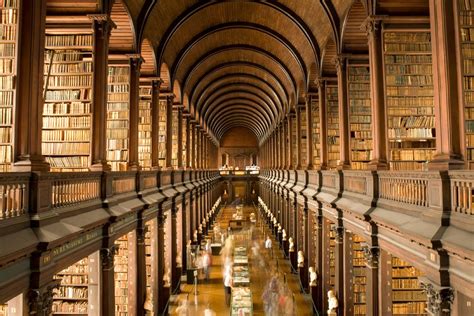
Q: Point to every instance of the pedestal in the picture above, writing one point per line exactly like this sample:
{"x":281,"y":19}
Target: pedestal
{"x":293,"y":260}
{"x":303,"y":278}
{"x":280,"y":239}
{"x":163,"y":300}
{"x":190,"y":276}
{"x":313,"y":291}
{"x":285,"y":248}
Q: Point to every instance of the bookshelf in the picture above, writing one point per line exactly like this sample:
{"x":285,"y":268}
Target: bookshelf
{"x":294,"y":158}
{"x":144,"y":127}
{"x":162,"y":132}
{"x":316,"y":146}
{"x":184,"y":144}
{"x":409,"y":98}
{"x":67,"y":120}
{"x":174,"y":138}
{"x":407,"y":296}
{"x":118,"y":116}
{"x":8,"y":53}
{"x":121,"y":276}
{"x":332,"y":107}
{"x":466,"y":27}
{"x":359,"y":276}
{"x":360,"y":114}
{"x":72,"y":295}
{"x":3,"y":309}
{"x":149,"y":241}
{"x":304,"y":138}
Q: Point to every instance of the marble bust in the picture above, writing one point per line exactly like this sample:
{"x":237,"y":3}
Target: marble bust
{"x":332,"y":303}
{"x":300,"y":259}
{"x":313,"y":277}
{"x":291,"y":245}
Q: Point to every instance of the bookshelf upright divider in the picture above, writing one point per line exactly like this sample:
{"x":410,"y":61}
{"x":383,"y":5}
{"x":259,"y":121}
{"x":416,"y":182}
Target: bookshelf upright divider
{"x":332,"y":107}
{"x":144,"y":125}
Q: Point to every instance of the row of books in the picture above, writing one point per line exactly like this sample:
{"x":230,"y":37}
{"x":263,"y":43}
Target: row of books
{"x":408,"y":69}
{"x":6,"y":98}
{"x":361,"y":144}
{"x":467,"y":34}
{"x":411,"y":80}
{"x":411,"y":121}
{"x":67,"y":307}
{"x":117,"y":155}
{"x":359,"y":77}
{"x":71,"y":292}
{"x":67,"y":108}
{"x":6,"y":116}
{"x":5,"y":134}
{"x":360,"y":105}
{"x":466,"y":4}
{"x":69,"y":81}
{"x":66,"y":122}
{"x":66,"y":148}
{"x":117,"y":143}
{"x":118,"y":115}
{"x":5,"y":155}
{"x":118,"y":88}
{"x":118,"y":124}
{"x":67,"y":56}
{"x":8,"y":32}
{"x":9,"y":15}
{"x":409,"y":111}
{"x":73,"y":67}
{"x":7,"y":49}
{"x":401,"y":133}
{"x":409,"y":91}
{"x":415,"y":37}
{"x":118,"y":97}
{"x":414,"y":308}
{"x":69,"y":40}
{"x":407,"y":47}
{"x":407,"y":59}
{"x":69,"y":162}
{"x":467,"y":50}
{"x":415,"y":154}
{"x":68,"y":95}
{"x":400,"y":101}
{"x":413,"y":143}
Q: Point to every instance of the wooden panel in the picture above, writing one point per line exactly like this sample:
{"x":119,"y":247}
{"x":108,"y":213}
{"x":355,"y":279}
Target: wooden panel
{"x":72,"y":6}
{"x":122,"y":37}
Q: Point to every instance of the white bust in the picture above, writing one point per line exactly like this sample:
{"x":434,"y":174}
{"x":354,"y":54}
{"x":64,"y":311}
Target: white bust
{"x":313,"y":277}
{"x":332,"y":303}
{"x":300,"y":259}
{"x":200,"y":228}
{"x":279,"y":228}
{"x":283,"y":234}
{"x":195,"y":235}
{"x":291,"y":245}
{"x":274,"y":220}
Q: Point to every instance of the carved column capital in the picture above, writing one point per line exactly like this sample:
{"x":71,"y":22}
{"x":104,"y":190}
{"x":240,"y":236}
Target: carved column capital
{"x":107,"y":257}
{"x":40,"y":301}
{"x":103,"y":24}
{"x":371,"y":255}
{"x":371,"y":25}
{"x":439,"y":298}
{"x":141,"y":232}
{"x":340,"y":62}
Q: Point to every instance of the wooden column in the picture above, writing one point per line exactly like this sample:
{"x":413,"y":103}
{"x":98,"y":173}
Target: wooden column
{"x":102,"y":27}
{"x":285,"y":144}
{"x":281,"y":139}
{"x":29,"y":101}
{"x":270,"y":143}
{"x":447,"y":91}
{"x":290,"y":140}
{"x":344,"y":131}
{"x":175,"y":274}
{"x":372,"y":255}
{"x":141,"y":269}
{"x":169,"y":130}
{"x":298,"y":136}
{"x":377,"y":95}
{"x":188,"y":142}
{"x":135,"y":63}
{"x":155,"y":119}
{"x":323,"y":154}
{"x":107,"y":303}
{"x":159,"y":301}
{"x":198,"y":148}
{"x":319,"y":265}
{"x":180,"y":137}
{"x":309,"y":134}
{"x":339,"y":265}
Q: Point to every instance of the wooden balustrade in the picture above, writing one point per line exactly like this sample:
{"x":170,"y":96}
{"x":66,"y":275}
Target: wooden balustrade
{"x":150,"y":180}
{"x":329,"y":179}
{"x":123,"y":182}
{"x":73,"y":188}
{"x":404,"y":187}
{"x":13,"y":194}
{"x":462,"y":189}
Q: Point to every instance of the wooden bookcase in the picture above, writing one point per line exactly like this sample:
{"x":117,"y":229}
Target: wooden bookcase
{"x":72,"y":296}
{"x":8,"y":53}
{"x":329,"y":258}
{"x":407,"y":296}
{"x":67,"y":119}
{"x":144,"y":127}
{"x":149,"y":260}
{"x":409,"y":98}
{"x":174,"y":138}
{"x":125,"y":274}
{"x":162,"y":133}
{"x":359,"y":276}
{"x":118,"y":116}
{"x":304,"y":138}
{"x":3,"y":309}
{"x":316,"y":130}
{"x":360,"y":118}
{"x":466,"y":27}
{"x":184,"y":145}
{"x":294,"y":140}
{"x":332,"y":107}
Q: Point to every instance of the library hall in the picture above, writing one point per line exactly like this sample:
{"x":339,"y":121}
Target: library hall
{"x":237,"y":157}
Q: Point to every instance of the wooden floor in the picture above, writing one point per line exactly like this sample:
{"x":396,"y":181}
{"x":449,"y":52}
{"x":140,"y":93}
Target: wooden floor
{"x":262,"y":268}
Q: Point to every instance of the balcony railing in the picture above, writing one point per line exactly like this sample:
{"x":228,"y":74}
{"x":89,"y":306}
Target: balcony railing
{"x":14,"y":190}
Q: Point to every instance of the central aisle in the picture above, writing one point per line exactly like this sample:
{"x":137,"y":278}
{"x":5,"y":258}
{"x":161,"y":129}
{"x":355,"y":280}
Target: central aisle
{"x":211,"y":293}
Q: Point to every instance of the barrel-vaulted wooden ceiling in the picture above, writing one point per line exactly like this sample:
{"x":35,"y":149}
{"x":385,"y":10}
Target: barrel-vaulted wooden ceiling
{"x":239,"y":62}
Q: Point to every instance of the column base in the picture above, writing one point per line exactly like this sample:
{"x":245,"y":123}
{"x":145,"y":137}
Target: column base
{"x":133,"y":166}
{"x":321,"y":167}
{"x":446,"y":162}
{"x":30,"y":164}
{"x":100,"y":166}
{"x":377,"y":164}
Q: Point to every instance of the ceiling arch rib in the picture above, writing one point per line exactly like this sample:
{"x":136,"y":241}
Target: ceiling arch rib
{"x":233,"y":69}
{"x":256,"y":83}
{"x":237,"y":112}
{"x":237,"y":119}
{"x":253,"y":93}
{"x":238,"y":103}
{"x":232,"y":125}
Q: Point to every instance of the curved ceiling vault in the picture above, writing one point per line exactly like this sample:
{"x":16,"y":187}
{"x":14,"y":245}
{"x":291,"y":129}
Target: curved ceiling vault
{"x":240,"y":63}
